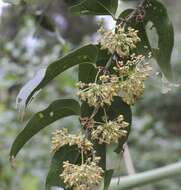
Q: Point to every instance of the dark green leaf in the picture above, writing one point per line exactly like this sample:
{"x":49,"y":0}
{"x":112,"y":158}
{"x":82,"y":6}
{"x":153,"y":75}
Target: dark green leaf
{"x":57,"y":110}
{"x":156,"y":12}
{"x":107,"y":178}
{"x":66,"y":153}
{"x":101,"y":152}
{"x":103,"y":57}
{"x":95,"y":7}
{"x":86,"y":54}
{"x":87,"y":73}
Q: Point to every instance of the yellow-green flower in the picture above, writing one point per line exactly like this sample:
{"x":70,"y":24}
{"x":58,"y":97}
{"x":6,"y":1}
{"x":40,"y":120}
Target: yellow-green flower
{"x":82,"y":177}
{"x":120,"y":41}
{"x":111,"y":131}
{"x":61,"y":137}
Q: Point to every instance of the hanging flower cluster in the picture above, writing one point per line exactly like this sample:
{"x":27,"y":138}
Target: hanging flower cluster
{"x":119,"y":41}
{"x":110,"y":131}
{"x":132,"y":88}
{"x":61,"y":137}
{"x":99,"y":94}
{"x":79,"y":177}
{"x":84,"y":176}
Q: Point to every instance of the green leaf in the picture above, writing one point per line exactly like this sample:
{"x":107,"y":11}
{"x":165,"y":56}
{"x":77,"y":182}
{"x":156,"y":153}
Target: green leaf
{"x":65,"y":153}
{"x":86,"y":54}
{"x":87,"y":73}
{"x":95,"y":7}
{"x":156,"y":12}
{"x":107,"y":178}
{"x":57,"y":110}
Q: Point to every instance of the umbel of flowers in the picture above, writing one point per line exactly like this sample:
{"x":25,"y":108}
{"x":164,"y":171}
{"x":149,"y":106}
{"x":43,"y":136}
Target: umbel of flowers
{"x":84,"y":176}
{"x":127,"y":81}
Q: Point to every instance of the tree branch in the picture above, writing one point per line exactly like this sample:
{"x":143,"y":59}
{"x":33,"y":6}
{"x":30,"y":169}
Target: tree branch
{"x":145,"y":178}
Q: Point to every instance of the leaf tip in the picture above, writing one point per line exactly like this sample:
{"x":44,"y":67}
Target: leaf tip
{"x":13,"y":162}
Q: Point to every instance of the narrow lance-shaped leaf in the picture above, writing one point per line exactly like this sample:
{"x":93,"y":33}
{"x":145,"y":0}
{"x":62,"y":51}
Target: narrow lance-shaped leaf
{"x":57,"y":110}
{"x":86,"y":54}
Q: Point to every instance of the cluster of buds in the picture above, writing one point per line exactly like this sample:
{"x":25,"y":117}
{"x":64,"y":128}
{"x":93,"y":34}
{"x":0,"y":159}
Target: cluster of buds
{"x":120,"y":41}
{"x":84,"y":176}
{"x":110,"y":131}
{"x":61,"y":137}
